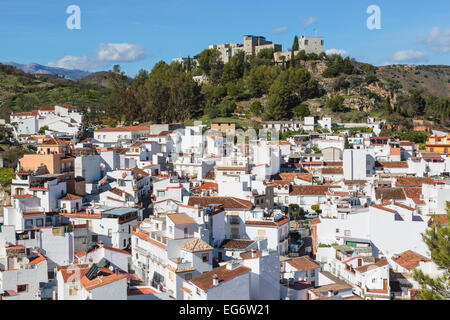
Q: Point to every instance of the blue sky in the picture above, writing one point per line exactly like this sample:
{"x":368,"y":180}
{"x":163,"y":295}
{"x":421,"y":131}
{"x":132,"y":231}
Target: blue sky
{"x":138,"y":33}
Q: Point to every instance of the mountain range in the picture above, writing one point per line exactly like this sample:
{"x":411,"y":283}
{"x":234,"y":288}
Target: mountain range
{"x":35,"y":68}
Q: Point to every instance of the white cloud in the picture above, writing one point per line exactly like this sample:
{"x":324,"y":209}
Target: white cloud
{"x":438,"y":41}
{"x":280,"y":30}
{"x":308,"y":21}
{"x":342,"y":52}
{"x":409,"y":56}
{"x":105,"y":55}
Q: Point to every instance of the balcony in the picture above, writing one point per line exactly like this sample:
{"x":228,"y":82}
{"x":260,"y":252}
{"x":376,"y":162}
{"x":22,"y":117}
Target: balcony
{"x":233,"y":221}
{"x":179,"y":264}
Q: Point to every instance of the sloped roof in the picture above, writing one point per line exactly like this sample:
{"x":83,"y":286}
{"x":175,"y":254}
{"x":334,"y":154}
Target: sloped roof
{"x":196,"y":245}
{"x":309,"y":190}
{"x":238,"y":244}
{"x":410,"y":259}
{"x":303,"y":263}
{"x":205,"y":280}
{"x":180,"y":218}
{"x":390,"y":193}
{"x":380,"y":263}
{"x":227,"y":202}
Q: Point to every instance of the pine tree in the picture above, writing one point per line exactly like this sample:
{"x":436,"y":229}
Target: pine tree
{"x":438,"y":242}
{"x":295,"y":45}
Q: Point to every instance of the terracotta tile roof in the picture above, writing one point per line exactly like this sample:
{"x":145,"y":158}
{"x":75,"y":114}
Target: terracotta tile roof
{"x":227,"y":202}
{"x":205,"y":280}
{"x":333,"y":163}
{"x":391,"y":164}
{"x":441,"y":218}
{"x":140,"y":172}
{"x":413,"y":192}
{"x":208,"y":186}
{"x":106,"y":277}
{"x":290,"y":176}
{"x":125,"y":128}
{"x":309,"y":190}
{"x":196,"y":245}
{"x":53,"y":141}
{"x":281,"y":182}
{"x":119,"y":192}
{"x":380,"y":263}
{"x":280,"y":222}
{"x":353,"y":182}
{"x":238,"y":244}
{"x":70,"y":196}
{"x":414,"y":181}
{"x":138,"y":291}
{"x":303,"y":263}
{"x":410,"y":259}
{"x":248,"y":255}
{"x":332,"y":171}
{"x":38,"y":259}
{"x":390,"y":194}
{"x":180,"y":218}
{"x":73,"y":273}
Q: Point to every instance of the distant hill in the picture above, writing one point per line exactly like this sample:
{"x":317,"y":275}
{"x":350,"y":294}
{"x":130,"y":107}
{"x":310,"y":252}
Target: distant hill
{"x":99,"y":78}
{"x":434,"y":79}
{"x":21,"y":91}
{"x":35,"y":68}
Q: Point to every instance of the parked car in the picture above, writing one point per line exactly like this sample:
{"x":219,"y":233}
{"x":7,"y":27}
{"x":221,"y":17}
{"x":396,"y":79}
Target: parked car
{"x":311,"y":215}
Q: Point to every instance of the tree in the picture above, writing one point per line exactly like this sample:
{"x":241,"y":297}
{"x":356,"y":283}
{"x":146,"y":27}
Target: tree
{"x":295,"y":45}
{"x":346,"y":143}
{"x":256,"y":108}
{"x":210,"y":63}
{"x":437,"y":239}
{"x":336,"y":104}
{"x":42,"y":129}
{"x":117,"y":78}
{"x":301,"y":111}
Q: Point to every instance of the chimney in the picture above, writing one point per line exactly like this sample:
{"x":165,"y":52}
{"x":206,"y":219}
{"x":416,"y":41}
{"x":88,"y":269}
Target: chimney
{"x":215,"y":280}
{"x":254,"y":253}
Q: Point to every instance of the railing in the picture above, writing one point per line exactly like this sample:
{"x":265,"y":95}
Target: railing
{"x":177,"y":264}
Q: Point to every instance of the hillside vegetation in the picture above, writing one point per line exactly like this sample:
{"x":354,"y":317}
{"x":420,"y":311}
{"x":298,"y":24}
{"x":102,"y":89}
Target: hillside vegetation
{"x":247,"y":89}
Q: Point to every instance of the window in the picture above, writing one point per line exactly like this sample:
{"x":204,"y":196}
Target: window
{"x":22,"y":288}
{"x":109,"y":233}
{"x":321,"y":42}
{"x":347,"y":233}
{"x":28,"y":224}
{"x":124,"y":242}
{"x":306,"y":42}
{"x":313,"y":273}
{"x":188,"y":276}
{"x":170,"y":229}
{"x":205,"y":257}
{"x":94,"y":238}
{"x":39,"y":222}
{"x":337,"y":230}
